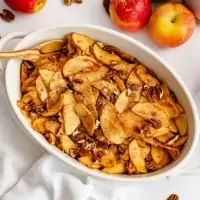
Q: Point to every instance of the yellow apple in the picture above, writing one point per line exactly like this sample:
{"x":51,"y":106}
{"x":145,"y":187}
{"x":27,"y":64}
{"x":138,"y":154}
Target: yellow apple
{"x":171,"y":25}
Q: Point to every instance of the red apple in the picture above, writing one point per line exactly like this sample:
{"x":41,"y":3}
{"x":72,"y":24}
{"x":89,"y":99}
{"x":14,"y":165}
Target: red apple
{"x":130,"y":15}
{"x":26,"y":6}
{"x":171,"y":25}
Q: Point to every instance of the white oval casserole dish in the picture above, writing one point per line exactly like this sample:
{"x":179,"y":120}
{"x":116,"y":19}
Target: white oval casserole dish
{"x":129,"y":45}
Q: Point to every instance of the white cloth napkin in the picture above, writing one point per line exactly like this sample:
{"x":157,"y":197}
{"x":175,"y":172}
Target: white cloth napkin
{"x":28,"y":172}
{"x":50,"y":179}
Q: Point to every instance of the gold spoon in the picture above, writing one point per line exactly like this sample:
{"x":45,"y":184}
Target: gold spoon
{"x":44,"y":49}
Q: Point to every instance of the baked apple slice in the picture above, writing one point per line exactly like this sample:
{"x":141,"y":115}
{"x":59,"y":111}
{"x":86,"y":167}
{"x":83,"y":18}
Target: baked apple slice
{"x":136,"y":157}
{"x":78,"y":64}
{"x":122,"y":102}
{"x":151,"y":111}
{"x":82,"y":42}
{"x":71,"y":119}
{"x":86,"y":117}
{"x":111,"y":126}
{"x":105,"y":57}
{"x":145,"y":77}
{"x":46,"y":76}
{"x":41,"y":89}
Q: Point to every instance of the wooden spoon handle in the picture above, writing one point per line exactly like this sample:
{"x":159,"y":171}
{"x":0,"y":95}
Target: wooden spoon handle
{"x":30,"y":55}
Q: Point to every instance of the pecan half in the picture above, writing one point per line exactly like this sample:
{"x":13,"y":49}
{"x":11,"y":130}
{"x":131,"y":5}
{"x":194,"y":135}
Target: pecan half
{"x":69,"y":2}
{"x":78,"y":1}
{"x":78,"y":136}
{"x":173,"y":197}
{"x":155,"y":123}
{"x":147,"y":91}
{"x":153,"y":94}
{"x":7,"y":15}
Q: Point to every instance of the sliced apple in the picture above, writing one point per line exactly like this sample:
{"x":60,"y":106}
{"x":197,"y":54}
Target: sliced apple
{"x":131,"y":168}
{"x":27,"y":98}
{"x":165,"y":138}
{"x":52,"y":126}
{"x":46,"y":76}
{"x":33,"y":96}
{"x":111,"y":126}
{"x":123,"y":67}
{"x":153,"y":132}
{"x":107,"y":159}
{"x":133,"y":79}
{"x":87,"y":161}
{"x":53,"y":98}
{"x":24,"y":72}
{"x":172,"y":126}
{"x":78,"y":80}
{"x":106,"y":87}
{"x":173,"y":140}
{"x":31,"y":88}
{"x":136,"y":157}
{"x":105,"y":57}
{"x":87,"y":92}
{"x":78,"y":64}
{"x":88,"y":97}
{"x":53,"y":66}
{"x":119,"y":82}
{"x":41,"y":89}
{"x":151,"y":111}
{"x":156,"y":143}
{"x":119,"y":168}
{"x":180,"y":141}
{"x":163,"y":162}
{"x":144,"y":150}
{"x":55,"y":108}
{"x":66,"y":143}
{"x":71,"y":119}
{"x":122,"y":102}
{"x":38,"y":125}
{"x":180,"y":108}
{"x":145,"y":77}
{"x":96,"y":94}
{"x":27,"y":83}
{"x":83,"y":42}
{"x":92,"y":76}
{"x":44,"y":62}
{"x":134,"y":94}
{"x":57,"y":83}
{"x":157,"y":154}
{"x":34,"y":73}
{"x":170,"y":107}
{"x":86,"y":117}
{"x":117,"y":51}
{"x":174,"y":154}
{"x":96,"y":75}
{"x":130,"y":121}
{"x":182,"y":124}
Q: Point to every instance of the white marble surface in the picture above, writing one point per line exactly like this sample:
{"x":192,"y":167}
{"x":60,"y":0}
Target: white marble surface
{"x":185,"y":60}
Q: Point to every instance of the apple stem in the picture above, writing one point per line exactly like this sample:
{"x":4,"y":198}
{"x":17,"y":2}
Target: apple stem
{"x":173,"y":20}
